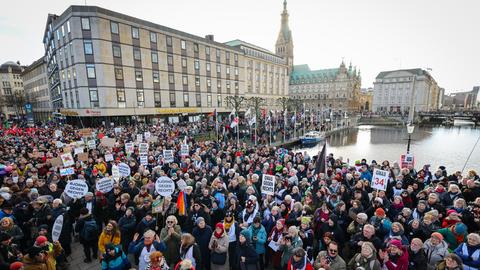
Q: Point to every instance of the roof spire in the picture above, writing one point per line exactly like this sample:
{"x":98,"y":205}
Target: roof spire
{"x":284,"y":5}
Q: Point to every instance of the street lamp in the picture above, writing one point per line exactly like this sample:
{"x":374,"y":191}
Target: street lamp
{"x":410,"y":129}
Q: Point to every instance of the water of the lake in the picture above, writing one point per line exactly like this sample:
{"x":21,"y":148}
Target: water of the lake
{"x":447,"y":146}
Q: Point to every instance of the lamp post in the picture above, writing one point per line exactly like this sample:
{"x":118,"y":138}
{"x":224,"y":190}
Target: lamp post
{"x":410,"y":129}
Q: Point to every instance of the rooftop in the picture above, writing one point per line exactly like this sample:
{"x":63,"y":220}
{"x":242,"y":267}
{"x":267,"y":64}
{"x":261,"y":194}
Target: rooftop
{"x":238,"y":42}
{"x":304,"y":71}
{"x":414,"y":71}
{"x":16,"y":68}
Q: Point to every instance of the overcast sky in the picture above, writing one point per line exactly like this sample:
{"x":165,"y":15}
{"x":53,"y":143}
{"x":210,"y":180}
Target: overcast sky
{"x":376,"y":35}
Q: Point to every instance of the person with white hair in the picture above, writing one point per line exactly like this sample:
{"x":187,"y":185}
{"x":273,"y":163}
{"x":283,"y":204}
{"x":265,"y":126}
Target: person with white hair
{"x":288,"y":245}
{"x":469,"y":252}
{"x":449,"y":197}
{"x":143,"y":247}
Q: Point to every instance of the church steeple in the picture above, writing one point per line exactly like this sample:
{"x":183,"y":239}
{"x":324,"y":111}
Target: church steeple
{"x":284,"y":45}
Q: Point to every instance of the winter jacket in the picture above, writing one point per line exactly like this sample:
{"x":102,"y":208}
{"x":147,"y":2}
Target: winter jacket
{"x":49,"y":264}
{"x":435,"y":254}
{"x":172,"y":242}
{"x":106,"y":238}
{"x":127,"y":229}
{"x":336,"y":264}
{"x":202,"y":238}
{"x":366,"y":263}
{"x":470,"y":256}
{"x":15,"y":232}
{"x":117,"y":262}
{"x":261,"y":235}
{"x":308,"y":265}
{"x":251,"y":256}
{"x":221,"y":247}
{"x":136,"y":248}
{"x":450,"y":237}
{"x":418,"y":260}
{"x":401,"y":263}
{"x":287,"y":251}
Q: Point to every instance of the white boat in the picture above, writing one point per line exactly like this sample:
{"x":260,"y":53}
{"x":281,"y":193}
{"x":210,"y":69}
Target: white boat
{"x":312,"y":137}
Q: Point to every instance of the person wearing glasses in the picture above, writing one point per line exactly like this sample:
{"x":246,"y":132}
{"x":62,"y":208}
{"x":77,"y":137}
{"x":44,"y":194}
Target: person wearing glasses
{"x":330,"y":259}
{"x":170,"y":235}
{"x":299,"y":261}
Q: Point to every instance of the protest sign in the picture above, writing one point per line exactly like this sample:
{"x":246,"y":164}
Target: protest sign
{"x":164,"y":186}
{"x":67,"y":149}
{"x":108,"y":142}
{"x":380,"y":179}
{"x":184,"y":150}
{"x":143,"y":149}
{"x":57,"y":228}
{"x":268,"y":184}
{"x":67,"y":171}
{"x":152,"y":139}
{"x":116,"y":173}
{"x":147,"y":135}
{"x":124,"y":169}
{"x":59,"y":144}
{"x":168,"y":156}
{"x":129,"y":148}
{"x":56,"y":162}
{"x":157,"y":206}
{"x":76,"y":189}
{"x":139,"y":138}
{"x":80,"y":143}
{"x":85,"y":132}
{"x":144,"y":160}
{"x":92,"y":144}
{"x":181,"y":184}
{"x":67,"y":160}
{"x":108,"y":157}
{"x":83,"y":157}
{"x":58,"y":133}
{"x":104,"y":185}
{"x":407,"y":160}
{"x":118,"y":130}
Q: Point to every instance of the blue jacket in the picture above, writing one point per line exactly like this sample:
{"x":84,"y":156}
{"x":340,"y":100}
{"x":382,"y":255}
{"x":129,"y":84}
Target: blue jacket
{"x":118,"y":262}
{"x":469,"y":255}
{"x":136,"y":247}
{"x":261,"y":238}
{"x":366,"y":175}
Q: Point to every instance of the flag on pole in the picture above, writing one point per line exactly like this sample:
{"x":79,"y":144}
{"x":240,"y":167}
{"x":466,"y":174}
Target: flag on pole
{"x":234,"y":122}
{"x":182,"y":204}
{"x":320,"y":166}
{"x":232,"y":113}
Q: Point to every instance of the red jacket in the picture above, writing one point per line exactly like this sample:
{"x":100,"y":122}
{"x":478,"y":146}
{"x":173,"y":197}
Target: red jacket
{"x":308,"y":266}
{"x":402,"y":262}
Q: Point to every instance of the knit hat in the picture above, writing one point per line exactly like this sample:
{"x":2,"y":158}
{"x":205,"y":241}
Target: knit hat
{"x":40,"y":240}
{"x":16,"y":266}
{"x":380,"y":212}
{"x":460,"y":228}
{"x":219,"y":225}
{"x":245,"y":234}
{"x":98,"y":193}
{"x":437,"y":235}
{"x":250,"y":204}
{"x":396,"y":242}
{"x":109,"y":246}
{"x":306,"y":220}
{"x":451,"y":211}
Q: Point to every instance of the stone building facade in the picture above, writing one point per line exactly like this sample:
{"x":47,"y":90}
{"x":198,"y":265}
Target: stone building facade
{"x":36,"y":88}
{"x":12,"y":95}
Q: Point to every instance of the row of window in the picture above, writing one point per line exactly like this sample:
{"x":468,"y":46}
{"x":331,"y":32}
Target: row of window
{"x":140,"y":95}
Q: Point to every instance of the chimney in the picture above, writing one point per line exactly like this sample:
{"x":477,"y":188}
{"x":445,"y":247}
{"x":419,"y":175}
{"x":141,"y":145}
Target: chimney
{"x":18,"y":62}
{"x":209,"y":37}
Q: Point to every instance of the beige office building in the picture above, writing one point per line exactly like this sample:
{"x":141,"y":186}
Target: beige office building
{"x":36,"y":89}
{"x":12,"y":95}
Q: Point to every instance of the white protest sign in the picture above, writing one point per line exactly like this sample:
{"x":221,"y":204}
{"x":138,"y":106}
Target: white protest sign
{"x":116,"y":173}
{"x":57,"y":228}
{"x":59,"y":144}
{"x":124,"y":169}
{"x":164,"y":186}
{"x":118,"y":130}
{"x":67,"y":171}
{"x":143,"y":149}
{"x":268,"y":184}
{"x":181,"y":184}
{"x":67,"y":160}
{"x":76,"y":188}
{"x":147,"y":135}
{"x":79,"y":143}
{"x":104,"y":185}
{"x":58,"y":133}
{"x":380,"y":179}
{"x":129,"y":148}
{"x":92,"y":144}
{"x":108,"y":157}
{"x":139,"y":137}
{"x":168,"y":156}
{"x":184,"y":150}
{"x":144,"y":160}
{"x":78,"y":150}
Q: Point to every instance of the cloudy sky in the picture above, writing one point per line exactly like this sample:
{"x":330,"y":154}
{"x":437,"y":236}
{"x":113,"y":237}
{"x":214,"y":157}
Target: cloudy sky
{"x":376,"y":35}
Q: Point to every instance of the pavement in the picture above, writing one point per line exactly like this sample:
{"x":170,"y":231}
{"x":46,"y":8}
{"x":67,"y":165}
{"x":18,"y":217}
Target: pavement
{"x":77,"y":257}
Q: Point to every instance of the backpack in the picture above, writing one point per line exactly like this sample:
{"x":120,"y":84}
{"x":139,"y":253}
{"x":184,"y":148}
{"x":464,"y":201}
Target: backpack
{"x":90,"y":230}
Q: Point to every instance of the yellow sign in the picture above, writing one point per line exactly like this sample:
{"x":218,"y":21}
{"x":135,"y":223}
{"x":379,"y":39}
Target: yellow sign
{"x":68,"y":113}
{"x":177,"y":110}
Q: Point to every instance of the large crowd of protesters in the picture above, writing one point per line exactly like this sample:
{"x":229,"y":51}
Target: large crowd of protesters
{"x":427,"y":218}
